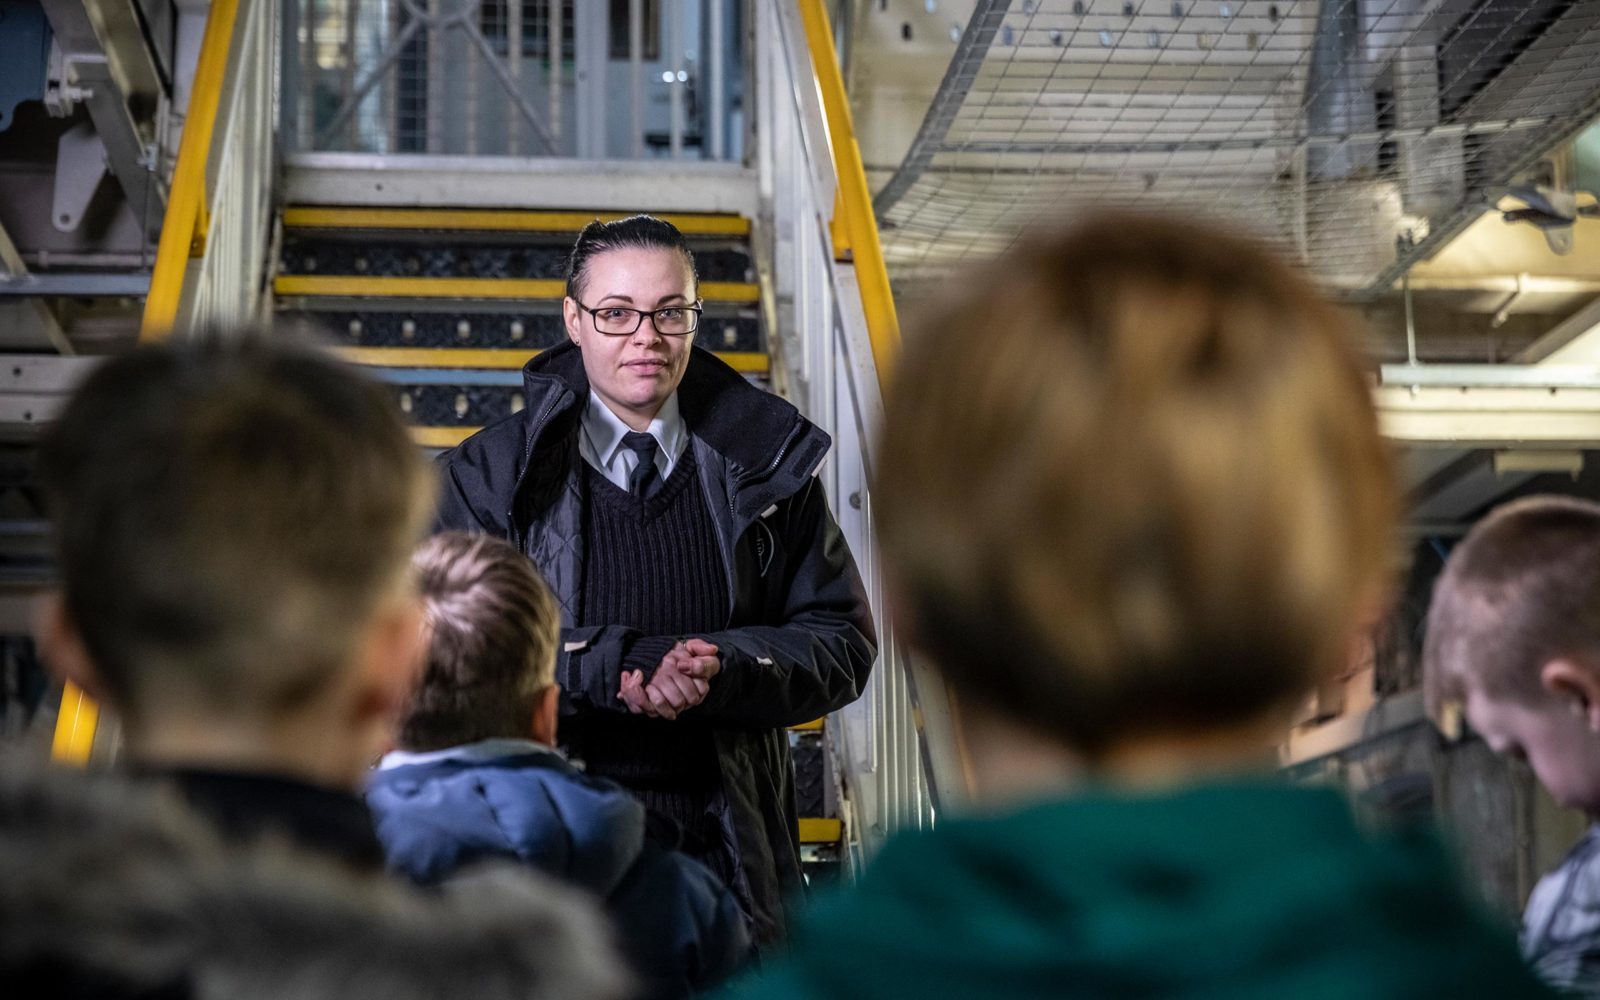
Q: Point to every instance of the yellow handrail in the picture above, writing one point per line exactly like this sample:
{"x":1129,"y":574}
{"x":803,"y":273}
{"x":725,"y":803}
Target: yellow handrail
{"x":183,"y":230}
{"x":854,"y":202}
{"x":75,"y":727}
{"x":182,"y":237}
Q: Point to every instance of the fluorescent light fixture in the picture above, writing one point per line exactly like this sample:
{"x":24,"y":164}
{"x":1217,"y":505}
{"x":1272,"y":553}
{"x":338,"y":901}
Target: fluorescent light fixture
{"x":1535,"y":460}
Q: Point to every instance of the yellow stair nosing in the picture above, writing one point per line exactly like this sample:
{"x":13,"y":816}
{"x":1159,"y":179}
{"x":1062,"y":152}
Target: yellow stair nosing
{"x":821,"y":831}
{"x":815,"y":725}
{"x":501,"y":359}
{"x":496,"y":220}
{"x":358,"y":286}
{"x":442,"y":437}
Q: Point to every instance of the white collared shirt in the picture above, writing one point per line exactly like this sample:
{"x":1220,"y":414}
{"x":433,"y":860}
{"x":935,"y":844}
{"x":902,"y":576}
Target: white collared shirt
{"x":471,"y":753}
{"x":600,"y":440}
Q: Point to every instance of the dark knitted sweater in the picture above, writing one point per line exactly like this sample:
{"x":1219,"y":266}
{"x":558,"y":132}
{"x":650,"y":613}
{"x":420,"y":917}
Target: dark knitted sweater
{"x":653,"y":564}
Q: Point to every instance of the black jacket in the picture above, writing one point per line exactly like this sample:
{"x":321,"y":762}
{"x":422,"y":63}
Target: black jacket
{"x":679,"y":927}
{"x":799,"y":640}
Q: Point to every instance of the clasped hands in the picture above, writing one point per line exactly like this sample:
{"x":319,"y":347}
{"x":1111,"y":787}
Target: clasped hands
{"x":679,"y":683}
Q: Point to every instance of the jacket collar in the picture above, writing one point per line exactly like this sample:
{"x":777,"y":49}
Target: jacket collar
{"x":762,"y":436}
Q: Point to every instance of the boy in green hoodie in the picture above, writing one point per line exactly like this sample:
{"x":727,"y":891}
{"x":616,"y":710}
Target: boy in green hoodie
{"x":1514,"y":643}
{"x":1134,"y":505}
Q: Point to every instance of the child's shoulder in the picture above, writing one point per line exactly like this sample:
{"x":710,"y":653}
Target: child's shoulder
{"x":1566,"y":902}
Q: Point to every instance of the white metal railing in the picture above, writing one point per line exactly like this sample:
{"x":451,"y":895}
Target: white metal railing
{"x":594,"y":79}
{"x":892,"y":748}
{"x":239,"y":175}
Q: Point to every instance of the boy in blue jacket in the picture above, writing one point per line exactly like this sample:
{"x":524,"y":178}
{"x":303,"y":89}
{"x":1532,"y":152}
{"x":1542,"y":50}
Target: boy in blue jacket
{"x":476,"y":775}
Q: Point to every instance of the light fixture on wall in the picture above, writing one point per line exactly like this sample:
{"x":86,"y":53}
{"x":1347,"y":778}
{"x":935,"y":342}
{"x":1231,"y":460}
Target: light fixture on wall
{"x":1538,"y":460}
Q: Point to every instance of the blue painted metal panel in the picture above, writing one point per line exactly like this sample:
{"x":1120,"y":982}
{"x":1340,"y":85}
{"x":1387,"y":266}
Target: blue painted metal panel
{"x":24,"y":55}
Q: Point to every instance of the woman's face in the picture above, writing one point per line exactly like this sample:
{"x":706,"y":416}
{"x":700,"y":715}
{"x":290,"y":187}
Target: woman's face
{"x":633,"y":374}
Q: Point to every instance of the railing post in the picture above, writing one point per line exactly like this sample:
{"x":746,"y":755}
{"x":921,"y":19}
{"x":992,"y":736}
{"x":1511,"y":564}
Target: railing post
{"x":672,"y":29}
{"x":514,"y":67}
{"x":553,"y":51}
{"x":714,"y":111}
{"x":434,"y":126}
{"x":636,"y":76}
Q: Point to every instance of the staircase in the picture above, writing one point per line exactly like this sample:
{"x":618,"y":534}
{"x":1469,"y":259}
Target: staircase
{"x":447,"y":305}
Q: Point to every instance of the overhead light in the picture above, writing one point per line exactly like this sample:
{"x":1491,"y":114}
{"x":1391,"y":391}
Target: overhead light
{"x":1536,"y":460}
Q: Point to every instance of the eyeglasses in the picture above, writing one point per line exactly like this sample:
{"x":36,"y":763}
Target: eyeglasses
{"x":619,"y":321}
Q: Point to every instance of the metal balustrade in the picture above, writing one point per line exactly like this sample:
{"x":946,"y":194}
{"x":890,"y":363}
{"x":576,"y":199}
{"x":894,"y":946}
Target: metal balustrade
{"x":211,"y":263}
{"x":837,"y":334}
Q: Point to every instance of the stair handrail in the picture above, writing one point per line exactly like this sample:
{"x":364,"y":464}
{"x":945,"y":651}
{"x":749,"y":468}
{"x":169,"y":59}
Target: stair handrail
{"x":855,"y":227}
{"x":211,"y":260}
{"x":836,"y":334}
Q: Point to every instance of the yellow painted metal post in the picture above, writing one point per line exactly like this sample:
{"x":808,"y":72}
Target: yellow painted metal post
{"x":75,"y":727}
{"x":854,"y":199}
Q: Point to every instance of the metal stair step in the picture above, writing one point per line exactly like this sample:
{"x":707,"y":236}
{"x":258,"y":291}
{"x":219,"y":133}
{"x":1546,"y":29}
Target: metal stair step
{"x":371,"y":324}
{"x":376,"y":253}
{"x":497,"y":220}
{"x":814,"y":830}
{"x":356,"y":286}
{"x":483,"y":362}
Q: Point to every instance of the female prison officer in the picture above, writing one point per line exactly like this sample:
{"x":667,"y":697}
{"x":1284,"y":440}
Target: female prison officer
{"x":708,"y":598}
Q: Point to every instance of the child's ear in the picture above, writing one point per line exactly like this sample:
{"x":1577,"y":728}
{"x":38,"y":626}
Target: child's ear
{"x":1575,"y":683}
{"x":546,"y":713}
{"x":392,"y":658}
{"x":61,"y":646}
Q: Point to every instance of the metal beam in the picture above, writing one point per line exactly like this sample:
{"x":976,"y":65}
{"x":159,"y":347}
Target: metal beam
{"x":1571,"y":339}
{"x":12,"y":267}
{"x":75,"y":286}
{"x":34,"y":388}
{"x":110,"y":71}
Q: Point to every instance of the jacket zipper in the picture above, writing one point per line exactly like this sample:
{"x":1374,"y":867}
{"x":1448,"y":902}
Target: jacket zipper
{"x":772,"y":466}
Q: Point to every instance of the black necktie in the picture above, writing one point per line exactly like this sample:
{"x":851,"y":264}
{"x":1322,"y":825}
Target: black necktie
{"x":644,"y":477}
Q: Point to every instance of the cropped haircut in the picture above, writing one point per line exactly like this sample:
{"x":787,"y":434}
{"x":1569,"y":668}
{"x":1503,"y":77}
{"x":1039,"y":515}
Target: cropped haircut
{"x":638,"y":232}
{"x":230,"y":510}
{"x":1132,"y":481}
{"x":493,"y":628}
{"x":1521,"y":589}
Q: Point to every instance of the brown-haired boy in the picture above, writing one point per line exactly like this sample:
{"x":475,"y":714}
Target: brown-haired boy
{"x":1513,"y":641}
{"x":233,"y":519}
{"x":1133,"y":503}
{"x":477,"y":776}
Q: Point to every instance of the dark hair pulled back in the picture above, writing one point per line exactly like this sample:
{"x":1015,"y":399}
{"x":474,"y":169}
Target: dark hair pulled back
{"x":643,"y":232}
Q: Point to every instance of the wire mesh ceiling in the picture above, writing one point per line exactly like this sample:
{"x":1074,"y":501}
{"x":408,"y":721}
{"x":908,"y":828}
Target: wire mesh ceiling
{"x":1359,"y":135}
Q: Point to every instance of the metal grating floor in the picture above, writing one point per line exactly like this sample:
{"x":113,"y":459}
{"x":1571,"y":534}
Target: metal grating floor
{"x":1359,"y":135}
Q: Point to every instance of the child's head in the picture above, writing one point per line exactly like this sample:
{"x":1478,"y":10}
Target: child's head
{"x":492,"y":631}
{"x":233,"y":517}
{"x":1131,"y":484}
{"x":1514,"y":640}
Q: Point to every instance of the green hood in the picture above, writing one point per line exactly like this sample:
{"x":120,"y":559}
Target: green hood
{"x":1239,"y":890}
